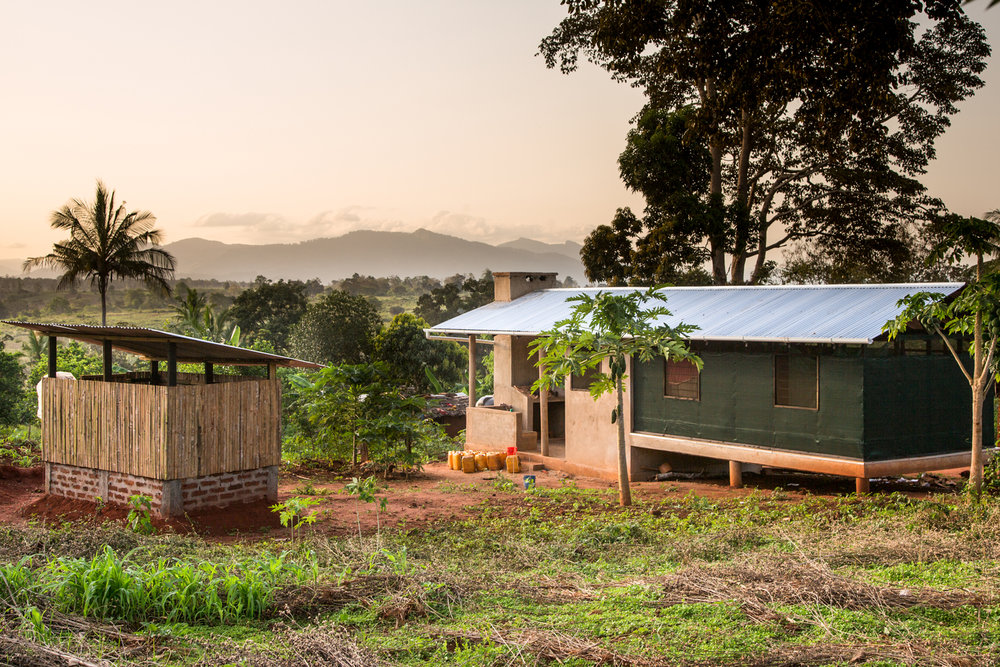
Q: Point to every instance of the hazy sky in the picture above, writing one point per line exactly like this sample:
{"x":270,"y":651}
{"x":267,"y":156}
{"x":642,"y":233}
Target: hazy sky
{"x":262,"y":122}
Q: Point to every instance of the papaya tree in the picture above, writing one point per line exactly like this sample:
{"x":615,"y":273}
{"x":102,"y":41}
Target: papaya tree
{"x":972,"y":314}
{"x":615,"y":328}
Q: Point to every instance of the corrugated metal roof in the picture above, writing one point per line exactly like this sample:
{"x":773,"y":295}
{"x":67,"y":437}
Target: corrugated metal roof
{"x":783,"y":313}
{"x":153,"y":344}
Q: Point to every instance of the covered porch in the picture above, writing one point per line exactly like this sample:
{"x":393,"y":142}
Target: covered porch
{"x":187,"y":440}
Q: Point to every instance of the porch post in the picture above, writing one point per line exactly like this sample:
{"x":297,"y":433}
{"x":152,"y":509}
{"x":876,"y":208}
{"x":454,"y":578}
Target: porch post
{"x":171,"y":364}
{"x":543,"y":413}
{"x":154,"y":371}
{"x":209,"y":372}
{"x":107,"y":360}
{"x":52,"y":356}
{"x":735,"y":474}
{"x":472,"y":370}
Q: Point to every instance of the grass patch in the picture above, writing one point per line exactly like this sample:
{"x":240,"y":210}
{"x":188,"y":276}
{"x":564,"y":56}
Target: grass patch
{"x":560,"y":576}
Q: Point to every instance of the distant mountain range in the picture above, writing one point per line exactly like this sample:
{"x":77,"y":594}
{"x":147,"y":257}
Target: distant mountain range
{"x":364,"y":252}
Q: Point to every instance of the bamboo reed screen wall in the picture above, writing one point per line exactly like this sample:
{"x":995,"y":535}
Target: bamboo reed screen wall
{"x":162,"y":432}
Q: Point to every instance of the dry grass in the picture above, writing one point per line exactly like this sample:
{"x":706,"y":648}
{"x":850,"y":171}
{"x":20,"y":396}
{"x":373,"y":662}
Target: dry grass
{"x":771,"y":582}
{"x":319,"y":645}
{"x":537,"y":647}
{"x":911,"y":653}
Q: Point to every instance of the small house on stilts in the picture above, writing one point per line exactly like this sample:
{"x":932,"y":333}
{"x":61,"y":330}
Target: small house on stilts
{"x":796,"y":377}
{"x":187,"y":440}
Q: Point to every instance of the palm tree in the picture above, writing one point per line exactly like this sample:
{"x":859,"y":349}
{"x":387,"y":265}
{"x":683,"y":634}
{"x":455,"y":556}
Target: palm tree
{"x":195,"y":316}
{"x":105,"y":243}
{"x":36,"y":347}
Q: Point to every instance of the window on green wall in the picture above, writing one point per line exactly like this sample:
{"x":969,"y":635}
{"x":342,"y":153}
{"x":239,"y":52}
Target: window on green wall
{"x":796,"y":381}
{"x":681,"y":380}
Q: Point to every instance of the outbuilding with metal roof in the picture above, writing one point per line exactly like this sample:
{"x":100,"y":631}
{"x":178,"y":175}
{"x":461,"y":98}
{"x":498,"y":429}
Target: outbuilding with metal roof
{"x":796,"y":377}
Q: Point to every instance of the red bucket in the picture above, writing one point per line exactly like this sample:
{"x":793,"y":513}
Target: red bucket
{"x":512,"y":451}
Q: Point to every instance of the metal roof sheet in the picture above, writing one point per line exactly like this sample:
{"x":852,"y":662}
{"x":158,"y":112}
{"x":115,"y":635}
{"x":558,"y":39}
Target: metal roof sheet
{"x":153,"y":344}
{"x":780,"y":313}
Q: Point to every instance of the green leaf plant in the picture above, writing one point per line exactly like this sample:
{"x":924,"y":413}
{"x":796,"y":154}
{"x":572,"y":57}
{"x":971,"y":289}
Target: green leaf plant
{"x":972,"y":314}
{"x":614,"y":328}
{"x":292,"y":513}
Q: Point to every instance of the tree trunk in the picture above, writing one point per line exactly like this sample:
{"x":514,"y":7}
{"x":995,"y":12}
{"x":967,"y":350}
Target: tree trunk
{"x":978,"y":394}
{"x":624,"y":491}
{"x":976,"y":460}
{"x":717,"y":244}
{"x":742,"y":200}
{"x":104,"y":306}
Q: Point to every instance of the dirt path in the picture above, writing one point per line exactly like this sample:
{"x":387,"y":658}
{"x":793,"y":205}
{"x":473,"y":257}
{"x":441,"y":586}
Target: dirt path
{"x":435,"y":495}
{"x":19,"y":488}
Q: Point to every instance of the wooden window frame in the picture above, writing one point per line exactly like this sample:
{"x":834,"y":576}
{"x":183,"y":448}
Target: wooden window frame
{"x":774,"y":382}
{"x":696,"y":397}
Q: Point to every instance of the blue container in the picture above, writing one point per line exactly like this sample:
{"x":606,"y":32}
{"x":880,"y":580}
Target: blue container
{"x":529,"y":482}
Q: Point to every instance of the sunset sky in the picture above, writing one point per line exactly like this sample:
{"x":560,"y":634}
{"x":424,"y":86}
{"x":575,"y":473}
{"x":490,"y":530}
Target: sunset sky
{"x":262,"y":122}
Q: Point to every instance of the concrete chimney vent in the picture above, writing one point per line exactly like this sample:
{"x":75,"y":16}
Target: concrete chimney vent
{"x":509,"y":285}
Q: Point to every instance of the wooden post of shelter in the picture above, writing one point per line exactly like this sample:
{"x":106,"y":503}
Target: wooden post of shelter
{"x":272,"y":371}
{"x":108,"y":370}
{"x":154,"y":372}
{"x":472,"y":370}
{"x":543,"y":412}
{"x":171,"y":364}
{"x":52,"y":356}
{"x":209,"y":372}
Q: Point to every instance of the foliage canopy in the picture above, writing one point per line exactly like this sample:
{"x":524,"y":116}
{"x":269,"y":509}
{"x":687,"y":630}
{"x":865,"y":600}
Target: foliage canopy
{"x":339,"y":328}
{"x":771,"y":122}
{"x":973,"y":314}
{"x":614,"y":329}
{"x":270,"y":310}
{"x":406,"y":352}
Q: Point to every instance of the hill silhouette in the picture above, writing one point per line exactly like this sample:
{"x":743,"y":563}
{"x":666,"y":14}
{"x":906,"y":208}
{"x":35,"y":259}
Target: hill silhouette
{"x":369,"y":253}
{"x":364,"y":252}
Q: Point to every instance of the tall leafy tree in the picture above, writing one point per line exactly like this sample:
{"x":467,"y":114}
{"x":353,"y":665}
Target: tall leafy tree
{"x":269,"y":310}
{"x":340,"y":328}
{"x":11,"y":388}
{"x":406,"y":353}
{"x":904,"y":256}
{"x":612,"y":328}
{"x":974,"y":313}
{"x":816,"y":118}
{"x":107,"y":242}
{"x":455,"y":297}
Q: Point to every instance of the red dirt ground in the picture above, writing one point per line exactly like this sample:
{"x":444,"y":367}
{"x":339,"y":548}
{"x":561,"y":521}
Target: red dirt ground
{"x":434,"y":495}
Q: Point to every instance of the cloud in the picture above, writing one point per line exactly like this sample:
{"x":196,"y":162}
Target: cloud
{"x":273,"y":228}
{"x":15,"y":246}
{"x":349,"y":219}
{"x":479,"y":228}
{"x":249,"y":220}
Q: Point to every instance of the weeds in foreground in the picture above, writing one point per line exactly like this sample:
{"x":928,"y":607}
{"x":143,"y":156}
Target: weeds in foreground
{"x":19,"y":447}
{"x":292,"y":513}
{"x":366,"y":490}
{"x":138,"y":518}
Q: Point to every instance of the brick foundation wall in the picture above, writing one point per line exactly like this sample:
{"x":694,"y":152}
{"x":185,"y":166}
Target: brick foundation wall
{"x":225,"y":489}
{"x":170,"y":497}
